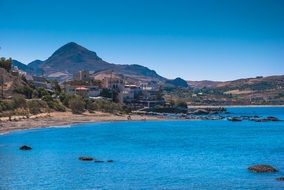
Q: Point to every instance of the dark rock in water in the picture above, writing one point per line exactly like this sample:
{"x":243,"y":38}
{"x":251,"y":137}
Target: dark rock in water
{"x":83,"y":158}
{"x":110,"y":161}
{"x":25,"y":147}
{"x":271,"y":118}
{"x":260,"y":120}
{"x":262,"y":168}
{"x":280,"y":179}
{"x":99,"y":161}
{"x":234,"y":119}
{"x":245,"y":117}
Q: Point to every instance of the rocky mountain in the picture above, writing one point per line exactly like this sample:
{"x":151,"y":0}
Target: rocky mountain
{"x":72,"y":57}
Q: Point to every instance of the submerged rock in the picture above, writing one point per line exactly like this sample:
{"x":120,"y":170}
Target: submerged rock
{"x":234,"y":119}
{"x":270,"y":118}
{"x":110,"y":161}
{"x":84,"y":158}
{"x":262,"y":168}
{"x":99,"y":161}
{"x":25,"y":147}
{"x":280,"y":179}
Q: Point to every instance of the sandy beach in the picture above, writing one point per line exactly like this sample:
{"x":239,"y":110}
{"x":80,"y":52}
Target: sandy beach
{"x":63,"y":118}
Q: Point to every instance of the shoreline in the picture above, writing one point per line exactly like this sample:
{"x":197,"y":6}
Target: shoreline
{"x":236,"y":106}
{"x":57,"y":119}
{"x":67,"y":118}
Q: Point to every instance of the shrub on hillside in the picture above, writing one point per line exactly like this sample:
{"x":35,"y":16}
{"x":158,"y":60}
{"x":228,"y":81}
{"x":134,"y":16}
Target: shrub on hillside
{"x":19,"y":102}
{"x":25,"y":90}
{"x":37,"y":106}
{"x":106,"y":106}
{"x":64,"y":98}
{"x":53,"y":103}
{"x":41,"y":92}
{"x":6,"y":105}
{"x":77,"y":105}
{"x":181,"y":104}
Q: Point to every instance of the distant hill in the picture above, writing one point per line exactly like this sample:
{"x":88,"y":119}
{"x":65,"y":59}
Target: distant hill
{"x":36,"y":66}
{"x":203,"y":84}
{"x":22,"y":66}
{"x":258,"y":91}
{"x":258,"y":83}
{"x":178,"y":82}
{"x":255,"y":84}
{"x":72,"y":57}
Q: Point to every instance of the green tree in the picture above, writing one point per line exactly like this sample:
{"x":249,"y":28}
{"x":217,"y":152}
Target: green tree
{"x":64,"y":98}
{"x":107,"y":93}
{"x":53,"y":103}
{"x":6,"y":63}
{"x":41,"y":92}
{"x":56,"y":87}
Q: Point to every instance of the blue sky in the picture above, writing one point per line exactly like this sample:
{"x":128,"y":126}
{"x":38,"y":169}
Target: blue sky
{"x":192,"y":39}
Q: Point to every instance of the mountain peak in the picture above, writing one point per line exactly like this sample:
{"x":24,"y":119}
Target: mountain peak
{"x":71,"y":45}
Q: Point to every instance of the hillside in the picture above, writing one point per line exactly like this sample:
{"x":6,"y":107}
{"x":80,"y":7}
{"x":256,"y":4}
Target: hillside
{"x":13,"y":85}
{"x":255,"y":91}
{"x":253,"y":84}
{"x":203,"y":84}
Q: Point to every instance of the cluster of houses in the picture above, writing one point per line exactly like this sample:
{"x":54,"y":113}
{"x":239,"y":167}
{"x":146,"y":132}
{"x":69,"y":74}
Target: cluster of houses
{"x":136,"y":95}
{"x":141,"y":94}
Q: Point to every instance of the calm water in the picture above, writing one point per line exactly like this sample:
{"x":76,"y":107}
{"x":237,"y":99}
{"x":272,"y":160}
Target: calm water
{"x":147,"y":155}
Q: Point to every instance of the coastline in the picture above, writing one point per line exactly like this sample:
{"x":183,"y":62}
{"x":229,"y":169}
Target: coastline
{"x":57,"y":119}
{"x":66,"y":118}
{"x":236,"y":106}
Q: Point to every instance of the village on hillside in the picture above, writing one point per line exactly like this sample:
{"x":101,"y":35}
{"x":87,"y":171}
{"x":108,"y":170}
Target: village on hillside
{"x":84,"y":88}
{"x":24,"y":93}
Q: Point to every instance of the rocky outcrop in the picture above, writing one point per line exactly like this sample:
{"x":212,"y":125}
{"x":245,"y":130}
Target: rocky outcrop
{"x":262,"y":168}
{"x":25,"y":147}
{"x":280,"y":179}
{"x":201,"y":112}
{"x":207,"y":110}
{"x":271,"y":118}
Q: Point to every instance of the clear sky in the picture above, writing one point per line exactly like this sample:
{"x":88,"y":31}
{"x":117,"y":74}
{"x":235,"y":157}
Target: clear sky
{"x":192,"y":39}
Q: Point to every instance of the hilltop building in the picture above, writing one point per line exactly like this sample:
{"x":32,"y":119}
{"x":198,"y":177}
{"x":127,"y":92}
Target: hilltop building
{"x":82,"y":76}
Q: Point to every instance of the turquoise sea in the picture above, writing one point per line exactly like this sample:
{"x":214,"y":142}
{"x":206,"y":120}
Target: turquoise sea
{"x":174,"y":155}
